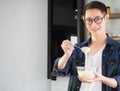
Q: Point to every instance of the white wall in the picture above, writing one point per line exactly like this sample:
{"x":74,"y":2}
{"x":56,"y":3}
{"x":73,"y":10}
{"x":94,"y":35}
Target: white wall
{"x":23,"y":45}
{"x":60,"y":84}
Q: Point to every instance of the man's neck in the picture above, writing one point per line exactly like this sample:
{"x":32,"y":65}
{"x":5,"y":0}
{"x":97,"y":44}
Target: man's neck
{"x":99,"y":39}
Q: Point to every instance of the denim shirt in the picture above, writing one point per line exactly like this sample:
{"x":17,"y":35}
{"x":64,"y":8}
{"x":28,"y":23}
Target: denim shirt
{"x":110,"y":65}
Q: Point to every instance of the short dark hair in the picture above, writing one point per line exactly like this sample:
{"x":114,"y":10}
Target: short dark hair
{"x":95,"y":4}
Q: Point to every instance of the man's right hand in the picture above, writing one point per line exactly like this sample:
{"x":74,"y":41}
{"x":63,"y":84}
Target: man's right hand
{"x":67,"y":47}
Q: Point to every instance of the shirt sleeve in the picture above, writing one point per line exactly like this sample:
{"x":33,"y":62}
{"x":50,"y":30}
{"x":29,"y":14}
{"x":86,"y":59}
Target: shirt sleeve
{"x":117,"y":77}
{"x":62,"y":72}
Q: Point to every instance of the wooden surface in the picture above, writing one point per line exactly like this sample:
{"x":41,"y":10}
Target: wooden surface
{"x":116,"y":38}
{"x":115,"y":16}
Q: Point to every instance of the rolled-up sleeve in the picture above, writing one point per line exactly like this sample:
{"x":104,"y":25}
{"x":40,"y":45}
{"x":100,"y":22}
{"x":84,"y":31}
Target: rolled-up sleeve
{"x":62,"y":72}
{"x":118,"y":81}
{"x":117,"y":77}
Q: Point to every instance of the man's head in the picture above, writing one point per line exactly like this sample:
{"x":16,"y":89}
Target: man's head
{"x":95,"y":17}
{"x":95,"y":4}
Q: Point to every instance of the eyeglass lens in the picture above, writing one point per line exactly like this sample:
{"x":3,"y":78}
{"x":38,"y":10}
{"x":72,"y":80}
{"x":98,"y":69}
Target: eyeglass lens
{"x":97,"y":20}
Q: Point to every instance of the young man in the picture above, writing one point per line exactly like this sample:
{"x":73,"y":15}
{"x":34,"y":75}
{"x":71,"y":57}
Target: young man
{"x":104,"y":53}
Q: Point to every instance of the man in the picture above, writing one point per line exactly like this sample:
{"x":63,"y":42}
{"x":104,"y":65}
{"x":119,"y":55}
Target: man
{"x":104,"y":53}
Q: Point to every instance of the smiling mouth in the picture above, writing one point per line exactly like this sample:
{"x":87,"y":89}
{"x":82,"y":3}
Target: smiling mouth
{"x":95,"y":30}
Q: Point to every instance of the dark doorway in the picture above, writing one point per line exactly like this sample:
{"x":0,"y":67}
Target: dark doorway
{"x":62,"y":24}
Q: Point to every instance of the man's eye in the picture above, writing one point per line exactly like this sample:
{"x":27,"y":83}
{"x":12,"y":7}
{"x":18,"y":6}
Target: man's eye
{"x":89,"y":20}
{"x":97,"y":18}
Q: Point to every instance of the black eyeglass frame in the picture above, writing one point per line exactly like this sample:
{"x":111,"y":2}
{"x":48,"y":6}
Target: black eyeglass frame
{"x":95,"y":20}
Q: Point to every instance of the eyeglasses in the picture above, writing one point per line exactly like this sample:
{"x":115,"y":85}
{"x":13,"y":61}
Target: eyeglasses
{"x":97,"y":20}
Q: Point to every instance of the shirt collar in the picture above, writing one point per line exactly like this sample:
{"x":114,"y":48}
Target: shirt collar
{"x":109,"y":41}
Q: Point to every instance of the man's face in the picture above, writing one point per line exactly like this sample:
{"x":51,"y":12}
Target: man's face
{"x":95,"y":21}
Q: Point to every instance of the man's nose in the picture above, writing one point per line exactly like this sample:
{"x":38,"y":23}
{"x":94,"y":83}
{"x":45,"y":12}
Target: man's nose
{"x":93,"y":23}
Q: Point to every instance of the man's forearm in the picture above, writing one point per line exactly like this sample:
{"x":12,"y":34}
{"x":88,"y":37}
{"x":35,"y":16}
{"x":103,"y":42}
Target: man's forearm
{"x":109,"y":81}
{"x":62,"y":61}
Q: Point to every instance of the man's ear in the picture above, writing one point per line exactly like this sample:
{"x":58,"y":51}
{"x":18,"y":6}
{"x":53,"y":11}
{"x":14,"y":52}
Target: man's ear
{"x":82,"y":17}
{"x":107,"y":16}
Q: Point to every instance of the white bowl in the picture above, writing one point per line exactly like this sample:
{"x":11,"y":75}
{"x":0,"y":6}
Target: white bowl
{"x":86,"y":74}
